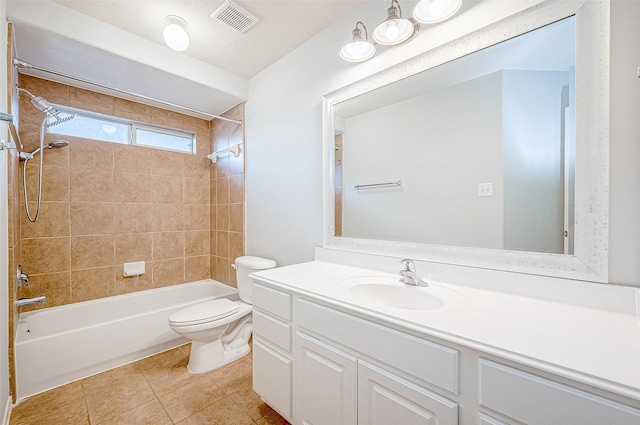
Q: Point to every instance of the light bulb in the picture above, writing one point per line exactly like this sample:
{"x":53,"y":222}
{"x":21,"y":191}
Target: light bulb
{"x":432,"y":11}
{"x":437,"y":7}
{"x":394,"y":29}
{"x":357,"y":51}
{"x":175,"y":35}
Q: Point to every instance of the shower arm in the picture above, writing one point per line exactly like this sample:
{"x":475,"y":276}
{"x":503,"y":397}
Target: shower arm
{"x":26,"y":65}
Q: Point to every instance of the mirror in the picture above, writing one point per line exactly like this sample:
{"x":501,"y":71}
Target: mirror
{"x":469,"y":154}
{"x":476,"y":152}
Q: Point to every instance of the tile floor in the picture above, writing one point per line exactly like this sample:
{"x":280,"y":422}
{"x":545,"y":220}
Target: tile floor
{"x":156,"y":391}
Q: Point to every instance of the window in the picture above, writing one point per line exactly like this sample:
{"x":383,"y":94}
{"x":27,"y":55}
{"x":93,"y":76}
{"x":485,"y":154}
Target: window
{"x":90,"y":125}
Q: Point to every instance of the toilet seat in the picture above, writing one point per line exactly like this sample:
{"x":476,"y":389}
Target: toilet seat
{"x":204,"y":312}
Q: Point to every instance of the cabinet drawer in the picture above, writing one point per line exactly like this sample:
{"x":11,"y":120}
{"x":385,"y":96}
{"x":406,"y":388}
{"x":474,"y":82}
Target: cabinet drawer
{"x":488,"y":420}
{"x":272,"y":301}
{"x":535,"y":400}
{"x":387,"y":399}
{"x":272,"y":378}
{"x":431,"y":362}
{"x":272,"y":330}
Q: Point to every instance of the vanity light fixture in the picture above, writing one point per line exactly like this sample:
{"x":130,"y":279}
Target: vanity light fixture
{"x":395,"y":29}
{"x":175,"y":34}
{"x":432,"y":11}
{"x":358,"y":49}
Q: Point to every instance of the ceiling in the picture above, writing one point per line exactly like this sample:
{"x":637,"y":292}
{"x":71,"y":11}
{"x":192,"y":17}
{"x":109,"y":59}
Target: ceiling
{"x":283,"y":26}
{"x":83,"y":38}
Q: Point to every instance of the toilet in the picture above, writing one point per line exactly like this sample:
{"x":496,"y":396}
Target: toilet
{"x":220,"y":329}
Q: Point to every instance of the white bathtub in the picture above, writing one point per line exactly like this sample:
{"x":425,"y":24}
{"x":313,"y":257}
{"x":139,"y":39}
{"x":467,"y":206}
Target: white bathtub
{"x":59,"y":345}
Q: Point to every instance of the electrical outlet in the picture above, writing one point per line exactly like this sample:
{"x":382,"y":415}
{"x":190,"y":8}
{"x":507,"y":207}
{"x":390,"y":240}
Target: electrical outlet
{"x":485,"y":189}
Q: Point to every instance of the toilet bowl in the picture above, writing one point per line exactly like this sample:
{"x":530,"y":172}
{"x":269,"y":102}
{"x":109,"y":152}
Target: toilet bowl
{"x":220,"y":329}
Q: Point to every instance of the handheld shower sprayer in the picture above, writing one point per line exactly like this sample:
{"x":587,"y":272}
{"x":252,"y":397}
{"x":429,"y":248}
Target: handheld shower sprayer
{"x":53,"y":145}
{"x":50,"y":112}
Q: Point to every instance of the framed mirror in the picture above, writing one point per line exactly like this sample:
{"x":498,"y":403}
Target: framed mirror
{"x":489,"y":151}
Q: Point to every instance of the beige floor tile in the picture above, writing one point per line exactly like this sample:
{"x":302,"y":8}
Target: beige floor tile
{"x":271,"y":417}
{"x":187,"y":399}
{"x":151,"y":413}
{"x":157,"y":390}
{"x":127,"y":375}
{"x":222,"y":412}
{"x":167,"y":371}
{"x":250,"y":402}
{"x":117,"y":400}
{"x":72,"y":391}
{"x":71,"y":412}
{"x":233,"y":376}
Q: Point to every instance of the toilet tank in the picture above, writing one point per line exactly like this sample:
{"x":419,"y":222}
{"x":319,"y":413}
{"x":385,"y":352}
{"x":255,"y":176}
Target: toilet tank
{"x":245,"y":266}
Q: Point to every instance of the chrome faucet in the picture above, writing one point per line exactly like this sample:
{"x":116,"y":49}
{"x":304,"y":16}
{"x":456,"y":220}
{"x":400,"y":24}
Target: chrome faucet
{"x":23,"y":302}
{"x":409,"y":274}
{"x":22,"y":278}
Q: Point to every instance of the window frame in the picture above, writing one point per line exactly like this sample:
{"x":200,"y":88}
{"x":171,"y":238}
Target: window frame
{"x":132,"y":127}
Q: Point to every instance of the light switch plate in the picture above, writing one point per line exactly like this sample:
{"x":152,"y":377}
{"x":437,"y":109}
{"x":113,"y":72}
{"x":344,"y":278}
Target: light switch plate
{"x":485,"y":189}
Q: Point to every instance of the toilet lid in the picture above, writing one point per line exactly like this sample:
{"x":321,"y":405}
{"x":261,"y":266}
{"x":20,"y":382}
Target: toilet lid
{"x":204,"y":312}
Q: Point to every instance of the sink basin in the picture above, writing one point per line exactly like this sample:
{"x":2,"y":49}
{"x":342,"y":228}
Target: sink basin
{"x":387,"y":292}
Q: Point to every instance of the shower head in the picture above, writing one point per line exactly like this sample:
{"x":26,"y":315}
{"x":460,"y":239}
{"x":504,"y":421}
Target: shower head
{"x":53,"y":145}
{"x":57,"y":144}
{"x":41,"y":104}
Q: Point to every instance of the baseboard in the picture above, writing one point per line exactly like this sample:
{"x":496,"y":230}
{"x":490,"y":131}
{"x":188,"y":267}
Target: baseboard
{"x":7,"y":412}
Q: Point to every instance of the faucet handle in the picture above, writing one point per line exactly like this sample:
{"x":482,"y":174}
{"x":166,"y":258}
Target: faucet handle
{"x":21,"y":277}
{"x":408,"y":265}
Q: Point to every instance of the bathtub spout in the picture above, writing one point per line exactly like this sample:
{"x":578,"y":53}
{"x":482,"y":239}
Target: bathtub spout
{"x":23,"y":302}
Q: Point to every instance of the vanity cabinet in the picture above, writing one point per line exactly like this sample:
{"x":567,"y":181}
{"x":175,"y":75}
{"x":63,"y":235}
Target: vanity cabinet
{"x":272,"y":343}
{"x":317,"y":363}
{"x":347,"y":372}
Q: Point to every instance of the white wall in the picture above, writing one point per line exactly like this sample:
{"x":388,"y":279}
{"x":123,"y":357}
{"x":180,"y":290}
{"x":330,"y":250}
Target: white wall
{"x":533,"y":168}
{"x":4,"y":237}
{"x":624,"y":214}
{"x":381,"y":146}
{"x":284,"y":124}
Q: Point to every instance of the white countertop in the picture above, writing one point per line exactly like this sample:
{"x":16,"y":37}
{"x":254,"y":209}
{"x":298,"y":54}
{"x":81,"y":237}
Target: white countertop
{"x":599,"y":347}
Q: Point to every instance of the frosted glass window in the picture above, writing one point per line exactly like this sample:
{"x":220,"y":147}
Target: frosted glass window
{"x":173,"y":141}
{"x":91,"y":128}
{"x":91,"y":125}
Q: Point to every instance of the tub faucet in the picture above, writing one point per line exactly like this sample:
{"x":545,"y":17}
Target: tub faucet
{"x":23,"y":302}
{"x":409,"y":274}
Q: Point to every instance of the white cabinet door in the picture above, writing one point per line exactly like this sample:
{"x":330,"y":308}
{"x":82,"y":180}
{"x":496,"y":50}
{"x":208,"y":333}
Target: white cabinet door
{"x":325,"y":384}
{"x":386,"y":399}
{"x":272,"y":378}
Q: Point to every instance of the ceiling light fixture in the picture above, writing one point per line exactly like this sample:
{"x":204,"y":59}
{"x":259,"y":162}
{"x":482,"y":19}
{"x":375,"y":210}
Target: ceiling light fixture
{"x":394,"y":29}
{"x":432,"y":11}
{"x":358,"y":49}
{"x":175,"y":34}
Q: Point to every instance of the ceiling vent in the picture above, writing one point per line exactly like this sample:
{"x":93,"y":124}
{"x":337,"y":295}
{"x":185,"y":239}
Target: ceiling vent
{"x":235,"y":16}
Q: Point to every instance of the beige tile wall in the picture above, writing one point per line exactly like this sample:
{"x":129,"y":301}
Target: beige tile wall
{"x":104,"y":204}
{"x":227,"y":199}
{"x":13,"y":231}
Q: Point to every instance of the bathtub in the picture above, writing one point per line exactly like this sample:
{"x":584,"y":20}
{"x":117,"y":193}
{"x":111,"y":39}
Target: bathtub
{"x":62,"y":344}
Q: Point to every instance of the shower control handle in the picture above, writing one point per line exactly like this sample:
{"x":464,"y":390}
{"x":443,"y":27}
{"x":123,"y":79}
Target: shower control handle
{"x":22,"y":277}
